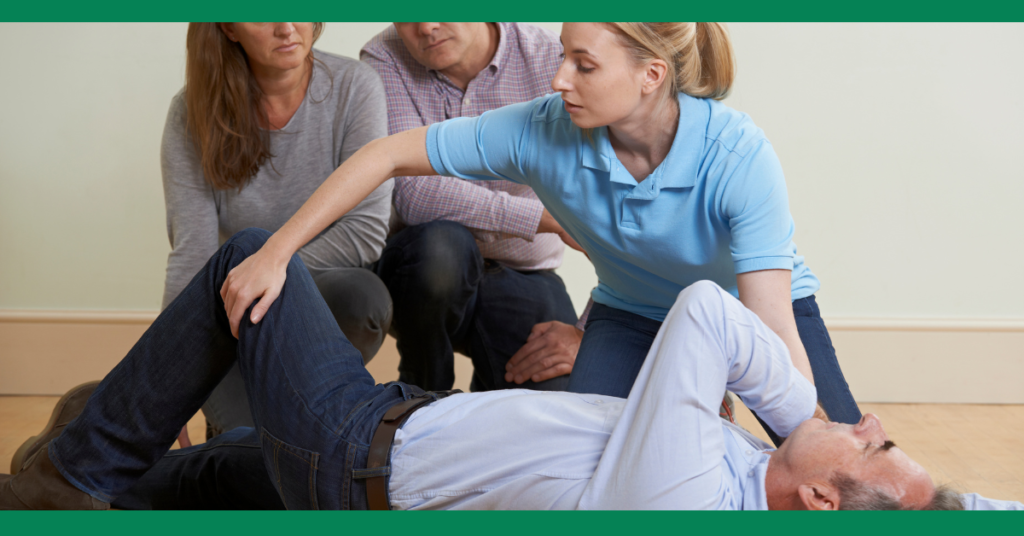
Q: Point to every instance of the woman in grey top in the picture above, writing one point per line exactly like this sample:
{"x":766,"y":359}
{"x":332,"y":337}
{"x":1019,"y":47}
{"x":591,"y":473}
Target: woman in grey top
{"x":262,"y":121}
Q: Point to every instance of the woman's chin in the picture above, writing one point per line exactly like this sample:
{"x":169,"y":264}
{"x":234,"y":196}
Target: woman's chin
{"x":583,"y":121}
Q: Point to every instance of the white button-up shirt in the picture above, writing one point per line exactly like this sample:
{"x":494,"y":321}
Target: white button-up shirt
{"x":664,"y":447}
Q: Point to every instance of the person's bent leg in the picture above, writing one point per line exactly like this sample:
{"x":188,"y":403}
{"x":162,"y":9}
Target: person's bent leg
{"x":508,"y":304}
{"x":228,"y":405}
{"x":225,"y":473}
{"x":614,"y":347}
{"x":137,"y":411}
{"x":432,"y":272}
{"x":315,"y":405}
{"x":833,"y":392}
{"x":360,"y":304}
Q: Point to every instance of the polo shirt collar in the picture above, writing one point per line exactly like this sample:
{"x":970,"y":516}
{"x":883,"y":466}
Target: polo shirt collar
{"x":596,"y":150}
{"x":682,"y":161}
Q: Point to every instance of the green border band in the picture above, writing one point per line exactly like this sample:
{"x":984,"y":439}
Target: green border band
{"x":521,"y":10}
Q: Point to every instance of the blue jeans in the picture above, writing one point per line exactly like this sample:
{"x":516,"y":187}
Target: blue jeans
{"x":361,"y":306}
{"x":314,"y":404}
{"x":616,"y":343}
{"x":448,"y":298}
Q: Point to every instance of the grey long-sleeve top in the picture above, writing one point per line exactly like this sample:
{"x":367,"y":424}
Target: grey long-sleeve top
{"x":344,"y":109}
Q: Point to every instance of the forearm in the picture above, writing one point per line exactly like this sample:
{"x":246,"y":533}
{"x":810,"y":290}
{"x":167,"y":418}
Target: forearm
{"x":356,"y":239}
{"x":797,"y":353}
{"x":353,"y":181}
{"x":767,"y":293}
{"x":489,"y":214}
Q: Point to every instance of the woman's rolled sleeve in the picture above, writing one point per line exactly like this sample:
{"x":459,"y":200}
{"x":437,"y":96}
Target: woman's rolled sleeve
{"x":756,"y":206}
{"x":487,"y":147}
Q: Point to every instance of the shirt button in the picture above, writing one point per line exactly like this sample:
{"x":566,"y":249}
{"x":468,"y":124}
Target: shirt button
{"x":467,"y":101}
{"x":750,"y":473}
{"x":749,"y":452}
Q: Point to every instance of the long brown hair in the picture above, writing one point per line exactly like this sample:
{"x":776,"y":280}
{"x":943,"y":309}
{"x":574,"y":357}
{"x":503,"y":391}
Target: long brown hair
{"x":699,"y":54}
{"x":223,"y":102}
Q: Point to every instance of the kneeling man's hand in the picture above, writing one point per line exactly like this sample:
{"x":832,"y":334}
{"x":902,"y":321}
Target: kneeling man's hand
{"x":550,"y":351}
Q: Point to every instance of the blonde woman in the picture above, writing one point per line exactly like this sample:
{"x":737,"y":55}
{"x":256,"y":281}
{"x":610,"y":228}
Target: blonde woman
{"x":638,"y":162}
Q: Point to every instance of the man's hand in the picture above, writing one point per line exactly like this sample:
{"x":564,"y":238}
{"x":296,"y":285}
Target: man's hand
{"x":550,"y":351}
{"x":549,"y":225}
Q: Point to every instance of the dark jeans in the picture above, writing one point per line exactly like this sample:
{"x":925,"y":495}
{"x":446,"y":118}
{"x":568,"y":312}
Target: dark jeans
{"x":315,"y":405}
{"x":448,"y":298}
{"x":616,"y":343}
{"x":360,"y":304}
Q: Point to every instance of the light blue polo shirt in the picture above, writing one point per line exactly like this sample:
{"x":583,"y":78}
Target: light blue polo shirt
{"x":715,"y":207}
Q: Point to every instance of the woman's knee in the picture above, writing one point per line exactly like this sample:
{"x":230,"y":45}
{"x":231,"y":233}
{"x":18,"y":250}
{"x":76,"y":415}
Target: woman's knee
{"x":361,"y":305}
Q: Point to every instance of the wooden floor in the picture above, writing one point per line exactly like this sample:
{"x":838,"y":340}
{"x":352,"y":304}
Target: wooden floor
{"x":978,"y":448}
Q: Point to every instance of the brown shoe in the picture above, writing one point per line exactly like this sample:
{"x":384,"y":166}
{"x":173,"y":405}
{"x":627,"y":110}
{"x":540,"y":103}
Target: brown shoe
{"x":68,"y":407}
{"x":40,"y":486}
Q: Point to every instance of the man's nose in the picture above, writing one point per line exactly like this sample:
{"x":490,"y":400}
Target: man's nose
{"x":870,"y":427}
{"x":427,"y":28}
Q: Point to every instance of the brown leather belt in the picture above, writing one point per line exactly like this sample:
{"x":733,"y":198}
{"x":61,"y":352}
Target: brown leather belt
{"x":383,"y":438}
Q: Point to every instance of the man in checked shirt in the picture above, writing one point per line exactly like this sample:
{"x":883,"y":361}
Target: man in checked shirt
{"x":470,"y":266}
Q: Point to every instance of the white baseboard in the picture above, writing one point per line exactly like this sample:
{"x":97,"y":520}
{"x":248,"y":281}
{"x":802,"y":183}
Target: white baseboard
{"x":885,"y":360}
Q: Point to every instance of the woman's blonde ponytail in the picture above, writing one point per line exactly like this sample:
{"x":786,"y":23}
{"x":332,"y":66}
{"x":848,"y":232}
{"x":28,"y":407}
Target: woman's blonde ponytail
{"x":700,"y":53}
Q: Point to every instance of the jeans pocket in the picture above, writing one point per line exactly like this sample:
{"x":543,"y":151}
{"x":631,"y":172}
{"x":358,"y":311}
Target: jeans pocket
{"x":292,"y":471}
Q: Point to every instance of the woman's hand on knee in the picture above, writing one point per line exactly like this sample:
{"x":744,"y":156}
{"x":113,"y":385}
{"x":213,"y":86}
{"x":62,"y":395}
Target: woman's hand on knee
{"x":259,"y":277}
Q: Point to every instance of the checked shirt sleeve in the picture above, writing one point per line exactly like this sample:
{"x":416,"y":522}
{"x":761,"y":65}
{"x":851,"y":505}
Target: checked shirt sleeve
{"x":491,"y":215}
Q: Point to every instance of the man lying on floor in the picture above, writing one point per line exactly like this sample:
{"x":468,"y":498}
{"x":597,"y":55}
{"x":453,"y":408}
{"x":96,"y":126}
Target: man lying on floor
{"x":317,"y":410}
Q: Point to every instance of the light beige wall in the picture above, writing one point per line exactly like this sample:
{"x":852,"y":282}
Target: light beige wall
{"x":81,"y":203}
{"x":899,"y":142}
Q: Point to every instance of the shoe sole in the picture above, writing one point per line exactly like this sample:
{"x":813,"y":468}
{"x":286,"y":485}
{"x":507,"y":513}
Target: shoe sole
{"x":36,"y":441}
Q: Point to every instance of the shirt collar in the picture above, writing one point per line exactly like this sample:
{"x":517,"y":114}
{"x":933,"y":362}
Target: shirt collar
{"x":755,"y":492}
{"x":502,"y":52}
{"x":683,"y":157}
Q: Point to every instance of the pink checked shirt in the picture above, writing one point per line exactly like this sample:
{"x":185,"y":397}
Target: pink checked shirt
{"x":502,"y":215}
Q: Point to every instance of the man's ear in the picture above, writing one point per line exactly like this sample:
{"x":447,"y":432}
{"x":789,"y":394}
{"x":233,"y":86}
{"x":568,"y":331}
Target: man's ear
{"x":817,"y":496}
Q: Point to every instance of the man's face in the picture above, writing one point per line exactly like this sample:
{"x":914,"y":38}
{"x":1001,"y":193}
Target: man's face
{"x":816,"y":450}
{"x":439,"y":45}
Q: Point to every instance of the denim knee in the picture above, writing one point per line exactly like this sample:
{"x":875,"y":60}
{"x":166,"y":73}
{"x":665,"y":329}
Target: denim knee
{"x":443,"y":255}
{"x":249,"y":240}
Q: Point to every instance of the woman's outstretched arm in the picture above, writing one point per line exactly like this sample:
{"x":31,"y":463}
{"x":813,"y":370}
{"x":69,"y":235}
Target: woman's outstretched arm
{"x":262,"y":275}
